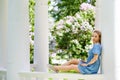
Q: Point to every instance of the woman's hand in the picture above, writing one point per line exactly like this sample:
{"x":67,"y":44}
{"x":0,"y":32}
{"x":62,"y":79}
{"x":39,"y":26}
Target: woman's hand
{"x":84,"y":64}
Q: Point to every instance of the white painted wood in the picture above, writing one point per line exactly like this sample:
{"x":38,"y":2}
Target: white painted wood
{"x":98,"y":15}
{"x":41,"y":48}
{"x":3,"y":33}
{"x":3,"y":74}
{"x":18,"y":46}
{"x":117,"y":39}
{"x":62,"y":75}
{"x":107,"y":27}
{"x":17,"y":38}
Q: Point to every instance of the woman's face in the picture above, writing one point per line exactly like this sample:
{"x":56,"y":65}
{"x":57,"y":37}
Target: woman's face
{"x":95,"y":38}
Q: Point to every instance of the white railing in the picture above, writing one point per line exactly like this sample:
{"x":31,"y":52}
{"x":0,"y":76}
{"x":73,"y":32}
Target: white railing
{"x":2,"y":74}
{"x":58,"y":76}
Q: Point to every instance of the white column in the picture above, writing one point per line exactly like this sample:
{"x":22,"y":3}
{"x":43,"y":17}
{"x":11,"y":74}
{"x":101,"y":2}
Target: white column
{"x":108,"y":40}
{"x":98,"y":26}
{"x":41,"y":49}
{"x":18,"y":38}
{"x":98,"y":15}
{"x":3,"y":33}
{"x":117,"y":39}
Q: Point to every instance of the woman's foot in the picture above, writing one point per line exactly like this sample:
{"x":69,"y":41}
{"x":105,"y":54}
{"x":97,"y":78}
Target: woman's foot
{"x":52,"y":68}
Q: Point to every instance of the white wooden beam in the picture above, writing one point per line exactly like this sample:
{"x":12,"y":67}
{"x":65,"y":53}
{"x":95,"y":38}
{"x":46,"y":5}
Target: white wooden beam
{"x":61,"y":76}
{"x":18,"y":38}
{"x":117,"y":39}
{"x":98,"y":15}
{"x":107,"y":22}
{"x":41,"y":48}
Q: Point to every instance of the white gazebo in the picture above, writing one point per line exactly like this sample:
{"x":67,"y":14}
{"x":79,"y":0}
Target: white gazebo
{"x":14,"y":41}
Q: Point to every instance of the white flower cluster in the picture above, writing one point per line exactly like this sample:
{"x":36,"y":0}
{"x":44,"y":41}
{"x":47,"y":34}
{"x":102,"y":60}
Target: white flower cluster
{"x":30,"y":36}
{"x":86,"y":6}
{"x":74,"y":24}
{"x":85,"y":26}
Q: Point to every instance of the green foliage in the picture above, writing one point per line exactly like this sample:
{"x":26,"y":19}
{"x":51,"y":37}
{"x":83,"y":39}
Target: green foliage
{"x":31,"y":13}
{"x":93,"y":2}
{"x":59,"y":10}
{"x":31,"y":53}
{"x":31,"y":21}
{"x":73,"y":33}
{"x":63,"y":8}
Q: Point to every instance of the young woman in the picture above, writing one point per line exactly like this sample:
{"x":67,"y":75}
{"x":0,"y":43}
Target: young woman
{"x":92,"y":64}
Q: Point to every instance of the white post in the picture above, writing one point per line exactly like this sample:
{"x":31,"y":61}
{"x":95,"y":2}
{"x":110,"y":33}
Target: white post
{"x":117,"y":39}
{"x":108,"y":40}
{"x":98,"y":26}
{"x":41,"y":36}
{"x":98,"y":15}
{"x":18,"y":38}
{"x":3,"y":33}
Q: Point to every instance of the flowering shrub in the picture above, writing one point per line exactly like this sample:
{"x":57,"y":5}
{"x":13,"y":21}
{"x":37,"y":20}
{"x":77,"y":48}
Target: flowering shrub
{"x":31,"y":36}
{"x":72,"y":34}
{"x":31,"y":28}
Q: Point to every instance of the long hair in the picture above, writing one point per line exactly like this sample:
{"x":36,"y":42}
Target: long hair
{"x":99,"y":34}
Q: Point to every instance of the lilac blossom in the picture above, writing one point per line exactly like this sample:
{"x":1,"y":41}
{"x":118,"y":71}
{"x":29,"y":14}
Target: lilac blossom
{"x":75,"y":41}
{"x":60,"y":24}
{"x":31,"y":42}
{"x":85,"y":26}
{"x":77,"y":24}
{"x":86,"y":6}
{"x":30,"y":28}
{"x":70,"y":18}
{"x":75,"y":27}
{"x":59,"y":27}
{"x":78,"y":16}
{"x":59,"y":33}
{"x":69,"y":22}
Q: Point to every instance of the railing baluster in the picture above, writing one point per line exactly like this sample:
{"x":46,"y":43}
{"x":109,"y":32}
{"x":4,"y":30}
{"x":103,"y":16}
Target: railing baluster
{"x":4,"y":77}
{"x":28,"y":78}
{"x":43,"y":79}
{"x":57,"y":78}
{"x":22,"y":78}
{"x":0,"y":77}
{"x":2,"y":74}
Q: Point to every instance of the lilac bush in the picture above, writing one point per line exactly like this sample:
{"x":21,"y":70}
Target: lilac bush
{"x":72,"y":34}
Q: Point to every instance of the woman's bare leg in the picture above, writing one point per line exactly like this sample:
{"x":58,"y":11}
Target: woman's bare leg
{"x":67,"y":68}
{"x":73,"y":61}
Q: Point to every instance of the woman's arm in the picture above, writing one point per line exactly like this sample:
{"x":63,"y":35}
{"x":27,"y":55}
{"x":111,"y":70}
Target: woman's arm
{"x":95,"y":58}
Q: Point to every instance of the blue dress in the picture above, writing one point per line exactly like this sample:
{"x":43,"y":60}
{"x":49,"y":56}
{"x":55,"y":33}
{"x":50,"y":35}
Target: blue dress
{"x":93,"y":68}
